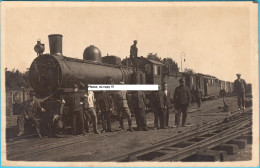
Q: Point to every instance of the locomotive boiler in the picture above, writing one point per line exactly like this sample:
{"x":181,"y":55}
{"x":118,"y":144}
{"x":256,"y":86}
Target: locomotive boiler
{"x":49,"y":72}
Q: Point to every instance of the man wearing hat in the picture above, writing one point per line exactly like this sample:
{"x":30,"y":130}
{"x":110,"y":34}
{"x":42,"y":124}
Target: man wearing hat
{"x":31,"y":109}
{"x":139,"y":105}
{"x":159,"y":105}
{"x":121,"y":101}
{"x":240,"y":89}
{"x":133,"y":55}
{"x":89,"y":110}
{"x":182,"y":99}
{"x":77,"y":112}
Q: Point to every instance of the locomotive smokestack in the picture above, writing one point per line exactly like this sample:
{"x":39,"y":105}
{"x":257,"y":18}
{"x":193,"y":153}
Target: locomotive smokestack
{"x":55,"y":42}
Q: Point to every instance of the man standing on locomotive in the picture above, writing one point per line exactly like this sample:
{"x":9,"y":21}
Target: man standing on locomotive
{"x":240,"y":89}
{"x":77,"y":113}
{"x":133,"y":55}
{"x":30,"y":112}
{"x":182,"y":99}
{"x":122,"y":108}
{"x":89,"y":110}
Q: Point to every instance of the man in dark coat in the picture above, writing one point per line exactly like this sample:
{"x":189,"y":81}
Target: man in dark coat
{"x":133,"y":55}
{"x":193,"y":95}
{"x":182,"y":99}
{"x":198,"y":95}
{"x":168,"y":103}
{"x":139,"y":105}
{"x":104,"y":104}
{"x":77,"y":111}
{"x":240,"y":89}
{"x":159,"y":103}
{"x":31,"y":109}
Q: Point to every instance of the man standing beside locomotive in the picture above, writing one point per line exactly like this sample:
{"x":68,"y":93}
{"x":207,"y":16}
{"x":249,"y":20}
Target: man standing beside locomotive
{"x":89,"y":110}
{"x":133,"y":55}
{"x":159,"y":104}
{"x":139,"y":104}
{"x":77,"y":113}
{"x":30,"y":112}
{"x":122,"y":108}
{"x":240,"y":89}
{"x":182,"y":99}
{"x":168,"y":104}
{"x":104,"y":104}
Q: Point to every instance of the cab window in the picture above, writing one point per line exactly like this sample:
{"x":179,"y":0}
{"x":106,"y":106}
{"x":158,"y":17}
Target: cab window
{"x":157,"y":70}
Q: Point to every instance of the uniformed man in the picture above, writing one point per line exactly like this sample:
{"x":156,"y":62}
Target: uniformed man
{"x":139,"y":105}
{"x":240,"y":89}
{"x":77,"y":112}
{"x":168,"y":103}
{"x":193,"y":95}
{"x":198,"y":96}
{"x":89,"y":110}
{"x":121,"y":98}
{"x":159,"y":104}
{"x":133,"y":55}
{"x":31,"y":108}
{"x":104,"y":104}
{"x":182,"y":99}
{"x":55,"y":107}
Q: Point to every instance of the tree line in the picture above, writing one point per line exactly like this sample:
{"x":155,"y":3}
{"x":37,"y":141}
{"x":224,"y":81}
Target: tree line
{"x":15,"y":80}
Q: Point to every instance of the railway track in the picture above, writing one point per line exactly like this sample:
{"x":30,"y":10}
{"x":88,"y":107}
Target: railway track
{"x":208,"y":142}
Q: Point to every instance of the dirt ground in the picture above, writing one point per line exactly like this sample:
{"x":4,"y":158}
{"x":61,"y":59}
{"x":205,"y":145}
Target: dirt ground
{"x":109,"y":145}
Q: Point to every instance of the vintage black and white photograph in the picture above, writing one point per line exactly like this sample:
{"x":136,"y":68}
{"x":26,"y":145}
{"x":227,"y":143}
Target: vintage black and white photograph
{"x":62,"y":62}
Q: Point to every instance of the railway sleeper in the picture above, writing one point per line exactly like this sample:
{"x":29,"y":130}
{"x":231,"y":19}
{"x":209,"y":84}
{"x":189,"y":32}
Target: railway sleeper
{"x":247,"y":137}
{"x":231,"y":149}
{"x":241,"y":143}
{"x":206,"y":156}
{"x":159,"y":153}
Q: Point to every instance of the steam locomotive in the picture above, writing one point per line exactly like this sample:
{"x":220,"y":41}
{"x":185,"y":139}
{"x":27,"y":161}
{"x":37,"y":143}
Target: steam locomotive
{"x":50,"y":72}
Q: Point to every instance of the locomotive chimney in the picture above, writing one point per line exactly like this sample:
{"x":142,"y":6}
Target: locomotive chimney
{"x":55,"y":42}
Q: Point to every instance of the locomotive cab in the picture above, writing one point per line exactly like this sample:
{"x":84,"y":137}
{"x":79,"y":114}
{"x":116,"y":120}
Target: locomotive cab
{"x":154,"y":70}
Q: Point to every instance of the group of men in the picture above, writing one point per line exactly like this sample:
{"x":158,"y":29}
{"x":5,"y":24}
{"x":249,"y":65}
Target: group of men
{"x":85,"y":107}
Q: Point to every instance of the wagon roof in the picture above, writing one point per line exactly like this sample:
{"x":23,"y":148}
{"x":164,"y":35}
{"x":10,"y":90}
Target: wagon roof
{"x":155,"y":62}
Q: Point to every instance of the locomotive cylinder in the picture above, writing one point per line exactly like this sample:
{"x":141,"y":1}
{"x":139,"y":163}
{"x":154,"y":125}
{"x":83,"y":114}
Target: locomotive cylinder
{"x":55,"y":42}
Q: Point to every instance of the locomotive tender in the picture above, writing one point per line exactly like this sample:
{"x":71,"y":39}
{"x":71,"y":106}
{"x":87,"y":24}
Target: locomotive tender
{"x":50,"y":72}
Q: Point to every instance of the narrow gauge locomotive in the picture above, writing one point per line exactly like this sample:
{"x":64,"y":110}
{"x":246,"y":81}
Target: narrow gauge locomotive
{"x":50,"y":72}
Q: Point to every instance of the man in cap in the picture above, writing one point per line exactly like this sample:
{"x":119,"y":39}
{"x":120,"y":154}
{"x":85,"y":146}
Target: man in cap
{"x":182,"y":99}
{"x":104,"y":105}
{"x":139,"y":105}
{"x":168,"y":103}
{"x":198,"y":95}
{"x":159,"y":105}
{"x":77,"y":112}
{"x":31,"y":109}
{"x":89,"y":110}
{"x":121,"y":98}
{"x":240,"y":89}
{"x":133,"y":55}
{"x":54,"y":107}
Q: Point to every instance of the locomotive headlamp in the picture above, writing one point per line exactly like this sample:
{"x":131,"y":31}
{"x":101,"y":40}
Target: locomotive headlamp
{"x":39,"y":47}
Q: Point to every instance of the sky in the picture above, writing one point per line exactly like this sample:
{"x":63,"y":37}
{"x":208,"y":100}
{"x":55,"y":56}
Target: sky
{"x":217,"y":39}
